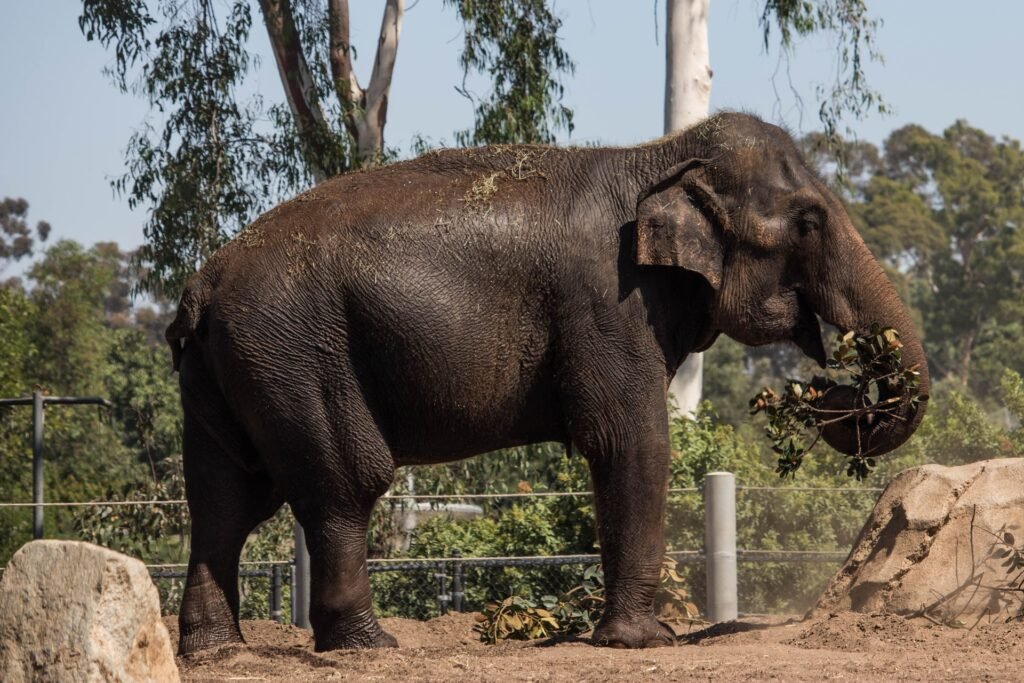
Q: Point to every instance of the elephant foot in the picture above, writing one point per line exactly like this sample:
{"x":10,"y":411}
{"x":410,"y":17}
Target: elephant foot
{"x":205,"y":620}
{"x":365,"y":638}
{"x":642,"y":632}
{"x":205,"y":636}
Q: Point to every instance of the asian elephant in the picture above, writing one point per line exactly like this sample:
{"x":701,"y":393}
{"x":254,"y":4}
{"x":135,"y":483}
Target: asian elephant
{"x":476,"y":299}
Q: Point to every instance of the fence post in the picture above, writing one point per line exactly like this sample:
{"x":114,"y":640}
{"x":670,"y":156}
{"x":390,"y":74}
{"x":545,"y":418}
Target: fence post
{"x":457,"y":591}
{"x":300,"y":601}
{"x":37,"y":464}
{"x":275,"y":593}
{"x":291,"y":592}
{"x":443,"y":597}
{"x":720,"y":545}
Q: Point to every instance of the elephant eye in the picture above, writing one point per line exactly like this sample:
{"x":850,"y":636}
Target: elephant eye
{"x":809,"y":220}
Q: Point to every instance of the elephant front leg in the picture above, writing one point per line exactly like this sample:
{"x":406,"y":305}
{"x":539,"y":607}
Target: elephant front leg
{"x":630,"y":487}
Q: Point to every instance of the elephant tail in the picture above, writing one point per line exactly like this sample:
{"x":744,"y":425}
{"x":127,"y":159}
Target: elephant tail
{"x":191,"y":311}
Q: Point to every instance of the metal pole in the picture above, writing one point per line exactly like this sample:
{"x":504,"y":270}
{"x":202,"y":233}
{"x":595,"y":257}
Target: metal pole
{"x":720,"y":545}
{"x":457,"y":591}
{"x":275,"y":593}
{"x":37,"y":464}
{"x":443,"y":597}
{"x":300,"y":605}
{"x":291,"y":590}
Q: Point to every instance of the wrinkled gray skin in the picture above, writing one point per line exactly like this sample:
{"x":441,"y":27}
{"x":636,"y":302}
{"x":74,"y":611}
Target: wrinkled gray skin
{"x":472,"y":300}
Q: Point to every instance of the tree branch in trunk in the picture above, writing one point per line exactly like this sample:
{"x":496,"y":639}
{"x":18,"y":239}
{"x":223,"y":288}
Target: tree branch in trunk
{"x":296,"y":79}
{"x":346,"y":84}
{"x":365,"y":111}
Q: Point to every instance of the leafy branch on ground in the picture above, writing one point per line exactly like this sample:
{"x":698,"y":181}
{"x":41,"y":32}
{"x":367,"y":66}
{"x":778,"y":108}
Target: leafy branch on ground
{"x":871,"y":364}
{"x":578,"y":609}
{"x":1004,"y":548}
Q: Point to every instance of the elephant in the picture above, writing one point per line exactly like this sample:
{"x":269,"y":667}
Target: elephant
{"x":471,"y":300}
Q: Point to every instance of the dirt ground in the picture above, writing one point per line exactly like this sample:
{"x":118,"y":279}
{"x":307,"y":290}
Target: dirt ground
{"x":850,"y":646}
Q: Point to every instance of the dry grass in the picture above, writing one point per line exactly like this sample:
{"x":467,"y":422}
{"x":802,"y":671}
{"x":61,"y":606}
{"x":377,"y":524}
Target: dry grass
{"x":251,"y":237}
{"x":478,"y":196}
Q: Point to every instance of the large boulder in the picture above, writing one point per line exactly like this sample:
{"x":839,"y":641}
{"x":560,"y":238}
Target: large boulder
{"x":936,"y":545}
{"x":73,"y":611}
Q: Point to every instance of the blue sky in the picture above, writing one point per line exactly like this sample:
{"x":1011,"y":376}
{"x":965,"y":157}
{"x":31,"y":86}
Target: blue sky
{"x":64,"y":126}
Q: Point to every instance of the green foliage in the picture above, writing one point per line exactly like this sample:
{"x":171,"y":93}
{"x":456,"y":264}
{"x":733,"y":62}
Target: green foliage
{"x":873,"y":364}
{"x":212,"y":164}
{"x":787,"y":519}
{"x":145,"y":398}
{"x":534,"y":468}
{"x":272,"y":542}
{"x":17,"y":354}
{"x":1012,"y":389}
{"x":516,"y":43}
{"x":534,"y":527}
{"x":157,"y":533}
{"x":73,"y":333}
{"x":17,"y":351}
{"x":854,"y":30}
{"x":16,"y":239}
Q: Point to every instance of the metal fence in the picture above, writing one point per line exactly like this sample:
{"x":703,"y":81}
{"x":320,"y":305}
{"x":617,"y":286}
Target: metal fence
{"x":422,"y":588}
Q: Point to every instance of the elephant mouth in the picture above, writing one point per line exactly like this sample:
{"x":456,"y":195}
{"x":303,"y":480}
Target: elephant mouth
{"x":807,"y":333}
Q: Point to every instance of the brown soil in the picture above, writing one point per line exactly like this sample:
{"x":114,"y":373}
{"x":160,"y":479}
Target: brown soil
{"x":846,"y":645}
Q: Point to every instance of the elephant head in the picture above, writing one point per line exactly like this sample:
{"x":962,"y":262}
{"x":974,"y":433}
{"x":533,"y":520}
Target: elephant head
{"x":743,"y":210}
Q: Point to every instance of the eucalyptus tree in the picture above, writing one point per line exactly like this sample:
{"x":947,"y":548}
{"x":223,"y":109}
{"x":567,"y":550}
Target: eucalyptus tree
{"x":946,"y":211}
{"x":216,"y":156}
{"x":17,"y":238}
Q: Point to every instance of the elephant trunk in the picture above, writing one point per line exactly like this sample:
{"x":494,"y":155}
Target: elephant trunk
{"x":870,"y":298}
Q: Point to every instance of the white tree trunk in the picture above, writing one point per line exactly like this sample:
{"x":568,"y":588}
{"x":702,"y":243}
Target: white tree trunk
{"x":687,"y":95}
{"x":687,"y":67}
{"x":365,"y":110}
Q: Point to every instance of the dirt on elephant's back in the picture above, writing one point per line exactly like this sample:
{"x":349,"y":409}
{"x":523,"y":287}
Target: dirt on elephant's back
{"x":844,"y":645}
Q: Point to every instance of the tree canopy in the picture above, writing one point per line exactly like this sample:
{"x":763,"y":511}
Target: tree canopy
{"x":945,"y":211}
{"x":17,"y":239}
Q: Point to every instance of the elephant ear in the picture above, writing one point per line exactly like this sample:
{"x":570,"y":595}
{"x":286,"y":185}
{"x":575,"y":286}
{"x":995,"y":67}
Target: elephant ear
{"x":679,"y":222}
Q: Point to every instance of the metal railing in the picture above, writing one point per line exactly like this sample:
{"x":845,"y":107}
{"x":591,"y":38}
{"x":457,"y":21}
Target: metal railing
{"x":38,"y":401}
{"x":446,"y":580}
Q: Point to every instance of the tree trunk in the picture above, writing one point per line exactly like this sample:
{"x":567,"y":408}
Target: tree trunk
{"x":296,"y":79}
{"x":365,"y":110}
{"x":687,"y":95}
{"x":687,"y":67}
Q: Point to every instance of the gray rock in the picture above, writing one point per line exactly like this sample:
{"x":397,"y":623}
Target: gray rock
{"x":935,"y":546}
{"x":73,"y":611}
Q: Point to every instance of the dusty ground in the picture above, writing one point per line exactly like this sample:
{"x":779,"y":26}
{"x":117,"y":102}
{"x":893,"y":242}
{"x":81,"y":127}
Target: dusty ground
{"x":854,"y":647}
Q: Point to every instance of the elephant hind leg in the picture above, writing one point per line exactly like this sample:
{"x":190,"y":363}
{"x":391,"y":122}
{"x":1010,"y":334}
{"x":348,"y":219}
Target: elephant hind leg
{"x":347,"y":466}
{"x":341,"y":605}
{"x":226,"y":503}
